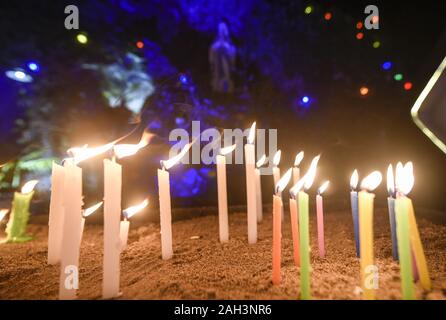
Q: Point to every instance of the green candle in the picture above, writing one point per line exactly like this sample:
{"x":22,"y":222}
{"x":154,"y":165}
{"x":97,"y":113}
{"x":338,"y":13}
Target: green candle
{"x":402,"y":228}
{"x":18,"y":219}
{"x":305,"y":290}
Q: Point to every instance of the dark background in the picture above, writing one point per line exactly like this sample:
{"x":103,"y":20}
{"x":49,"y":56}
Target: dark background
{"x":283,"y":54}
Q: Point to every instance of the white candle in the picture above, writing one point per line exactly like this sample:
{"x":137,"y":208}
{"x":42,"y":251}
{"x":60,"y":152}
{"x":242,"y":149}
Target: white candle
{"x":165,"y":202}
{"x":69,"y":253}
{"x":56,"y":215}
{"x":222,"y":194}
{"x":251,"y":186}
{"x":296,"y":169}
{"x":259,"y":204}
{"x":112,"y":219}
{"x":125,"y":224}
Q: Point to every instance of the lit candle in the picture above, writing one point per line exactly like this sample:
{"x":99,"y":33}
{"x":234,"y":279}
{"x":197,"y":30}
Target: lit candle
{"x":408,"y":234}
{"x":18,"y":219}
{"x":165,"y":202}
{"x":391,"y":208}
{"x":296,"y":169}
{"x":251,"y":185}
{"x":259,"y":204}
{"x":365,"y":204}
{"x":222,"y":193}
{"x":277,"y":225}
{"x":276,"y":171}
{"x":320,"y":218}
{"x":88,"y":212}
{"x":125,"y":224}
{"x":354,"y":204}
{"x":304,"y":229}
{"x":294,"y":213}
{"x":56,"y":215}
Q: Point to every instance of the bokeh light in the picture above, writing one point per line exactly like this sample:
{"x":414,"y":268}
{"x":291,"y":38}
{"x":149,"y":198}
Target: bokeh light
{"x":33,"y":66}
{"x":305,"y":99}
{"x":398,"y":77}
{"x":82,"y":38}
{"x":328,"y":16}
{"x":308,"y":9}
{"x":140,"y":45}
{"x":387,"y":65}
{"x":376,"y":44}
{"x":408,"y":85}
{"x":364,"y":91}
{"x":359,"y":35}
{"x":359,"y":25}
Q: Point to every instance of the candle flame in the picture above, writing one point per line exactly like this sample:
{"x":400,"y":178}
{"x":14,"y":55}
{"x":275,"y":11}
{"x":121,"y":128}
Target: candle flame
{"x":131,"y":211}
{"x":323,"y":187}
{"x":79,"y":154}
{"x":3,"y":213}
{"x":297,"y":187}
{"x":354,"y":180}
{"x":227,"y":150}
{"x":405,"y":179}
{"x":298,"y":159}
{"x":311,"y":174}
{"x":89,"y":211}
{"x":252,"y":133}
{"x":277,"y":156}
{"x":126,"y":150}
{"x":283,"y":182}
{"x":167,"y":164}
{"x":261,"y":161}
{"x":390,"y":180}
{"x":29,"y":186}
{"x":372,"y":181}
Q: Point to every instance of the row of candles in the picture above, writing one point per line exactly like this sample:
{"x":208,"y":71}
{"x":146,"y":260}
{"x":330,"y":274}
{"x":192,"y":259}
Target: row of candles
{"x":67,"y":219}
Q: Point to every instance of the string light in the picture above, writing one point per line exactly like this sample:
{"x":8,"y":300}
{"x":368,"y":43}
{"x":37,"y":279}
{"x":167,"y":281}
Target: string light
{"x":140,"y":45}
{"x":376,"y":44}
{"x":82,"y":38}
{"x":305,"y":100}
{"x":308,"y":10}
{"x":364,"y":91}
{"x":359,"y":25}
{"x":408,"y":85}
{"x":387,"y":65}
{"x":33,"y":66}
{"x":328,"y":16}
{"x":398,"y":77}
{"x":359,"y":35}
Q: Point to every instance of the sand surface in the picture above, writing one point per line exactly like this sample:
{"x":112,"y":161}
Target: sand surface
{"x":202,"y":268}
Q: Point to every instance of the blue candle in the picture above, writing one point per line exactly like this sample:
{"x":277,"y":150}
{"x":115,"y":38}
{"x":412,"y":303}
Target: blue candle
{"x":354,"y":204}
{"x":391,"y":205}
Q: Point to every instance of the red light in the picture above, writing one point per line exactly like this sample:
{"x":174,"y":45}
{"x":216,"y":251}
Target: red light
{"x":328,"y":16}
{"x":140,"y":44}
{"x":364,"y":91}
{"x":408,"y":86}
{"x":359,"y":25}
{"x":359,"y":35}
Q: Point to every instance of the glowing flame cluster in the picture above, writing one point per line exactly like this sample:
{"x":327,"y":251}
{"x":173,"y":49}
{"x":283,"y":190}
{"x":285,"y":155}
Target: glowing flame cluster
{"x":307,"y":180}
{"x":283,"y":181}
{"x":79,"y":154}
{"x":405,"y":179}
{"x":127,"y":150}
{"x":131,"y":211}
{"x":29,"y":186}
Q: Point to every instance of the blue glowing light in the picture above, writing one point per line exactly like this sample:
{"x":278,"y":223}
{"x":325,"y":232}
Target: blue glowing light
{"x":387,"y":65}
{"x":183,"y":79}
{"x":305,"y":99}
{"x":179,"y":121}
{"x":19,"y":75}
{"x":33,"y":66}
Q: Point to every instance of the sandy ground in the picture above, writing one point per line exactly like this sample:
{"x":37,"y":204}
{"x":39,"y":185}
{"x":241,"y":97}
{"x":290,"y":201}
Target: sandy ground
{"x":202,"y":268}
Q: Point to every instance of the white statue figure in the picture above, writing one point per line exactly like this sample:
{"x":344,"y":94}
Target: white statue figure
{"x":222,"y":60}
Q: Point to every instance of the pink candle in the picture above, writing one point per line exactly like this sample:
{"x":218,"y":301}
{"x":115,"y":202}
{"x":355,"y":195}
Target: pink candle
{"x":295,"y":230}
{"x":320,"y":219}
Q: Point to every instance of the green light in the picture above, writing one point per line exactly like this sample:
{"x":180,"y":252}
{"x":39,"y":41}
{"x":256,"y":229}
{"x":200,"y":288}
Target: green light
{"x":398,"y":77}
{"x":376,"y":44}
{"x":308,"y":10}
{"x":82,"y":38}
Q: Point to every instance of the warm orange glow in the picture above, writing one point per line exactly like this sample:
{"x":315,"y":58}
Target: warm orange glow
{"x":261,"y":161}
{"x":126,"y":150}
{"x":364,"y":91}
{"x":323,"y":187}
{"x":3,"y":213}
{"x":131,"y":211}
{"x":372,"y":181}
{"x":227,"y":150}
{"x":167,"y":164}
{"x":359,"y":25}
{"x":297,"y":187}
{"x":80,"y":154}
{"x":283,"y":182}
{"x":29,"y":186}
{"x":276,"y":158}
{"x":311,"y":174}
{"x":298,"y":159}
{"x":354,"y":180}
{"x":252,"y":133}
{"x":390,"y":180}
{"x":89,"y":211}
{"x":405,"y":179}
